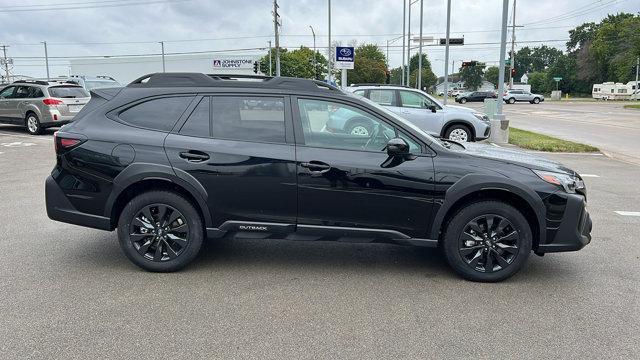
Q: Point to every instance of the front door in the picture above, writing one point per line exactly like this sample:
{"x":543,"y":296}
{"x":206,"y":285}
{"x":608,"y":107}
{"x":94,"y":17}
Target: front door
{"x":7,"y":104}
{"x":344,"y":179}
{"x":417,"y":108}
{"x":238,"y":148}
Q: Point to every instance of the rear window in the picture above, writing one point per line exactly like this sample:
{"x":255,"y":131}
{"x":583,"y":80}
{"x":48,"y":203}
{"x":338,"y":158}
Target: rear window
{"x":158,"y":114}
{"x":67,"y":92}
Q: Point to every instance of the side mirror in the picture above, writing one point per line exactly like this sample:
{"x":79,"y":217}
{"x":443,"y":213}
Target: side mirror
{"x":397,"y":147}
{"x":432,"y":108}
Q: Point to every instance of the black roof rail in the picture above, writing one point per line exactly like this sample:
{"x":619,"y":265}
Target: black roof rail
{"x":228,"y":80}
{"x":105,"y":77}
{"x":39,"y":82}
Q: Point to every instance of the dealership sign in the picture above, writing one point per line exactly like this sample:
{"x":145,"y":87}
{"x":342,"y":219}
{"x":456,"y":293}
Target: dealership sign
{"x":233,"y":63}
{"x":344,"y":57}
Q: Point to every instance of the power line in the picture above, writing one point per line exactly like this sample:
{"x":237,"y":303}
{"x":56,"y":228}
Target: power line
{"x":58,"y":8}
{"x":62,"y":4}
{"x":575,"y":13}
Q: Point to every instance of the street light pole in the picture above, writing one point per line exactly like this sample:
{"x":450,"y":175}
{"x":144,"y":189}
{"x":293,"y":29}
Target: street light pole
{"x":315,"y":65}
{"x":498,"y":135}
{"x":404,"y":19}
{"x":270,"y":66}
{"x":329,"y":47}
{"x":162,"y":46}
{"x":420,"y":49}
{"x":637,"y":66}
{"x":513,"y":45}
{"x":446,"y":54}
{"x":46,"y":58}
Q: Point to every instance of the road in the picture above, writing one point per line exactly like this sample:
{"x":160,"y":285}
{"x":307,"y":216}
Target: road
{"x":606,"y":125}
{"x":68,"y":292}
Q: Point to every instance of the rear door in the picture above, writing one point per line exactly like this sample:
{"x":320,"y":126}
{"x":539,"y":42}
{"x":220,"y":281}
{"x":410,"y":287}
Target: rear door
{"x":240,"y":148}
{"x":387,"y":98}
{"x":415,"y":108}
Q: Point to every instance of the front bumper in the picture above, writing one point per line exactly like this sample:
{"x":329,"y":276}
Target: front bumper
{"x":483,"y":131}
{"x":59,"y":208}
{"x":574,"y":230}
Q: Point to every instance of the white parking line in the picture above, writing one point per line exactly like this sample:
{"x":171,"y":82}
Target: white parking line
{"x":628,"y":213}
{"x":30,"y":137}
{"x":589,"y":175}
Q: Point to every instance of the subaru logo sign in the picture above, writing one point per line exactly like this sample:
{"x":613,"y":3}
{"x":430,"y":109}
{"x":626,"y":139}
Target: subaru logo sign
{"x":345,"y":52}
{"x":344,"y":57}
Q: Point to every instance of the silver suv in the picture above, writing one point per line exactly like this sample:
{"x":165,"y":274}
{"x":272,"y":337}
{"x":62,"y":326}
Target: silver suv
{"x":511,"y":96}
{"x":39,"y":104}
{"x":94,"y":82}
{"x":448,"y":121}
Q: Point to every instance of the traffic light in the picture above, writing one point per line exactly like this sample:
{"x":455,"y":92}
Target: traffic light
{"x":469,"y":63}
{"x":388,"y":77}
{"x":513,"y":72}
{"x":255,"y":67}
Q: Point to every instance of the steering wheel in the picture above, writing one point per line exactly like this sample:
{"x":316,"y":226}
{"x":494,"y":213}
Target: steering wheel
{"x":374,"y":134}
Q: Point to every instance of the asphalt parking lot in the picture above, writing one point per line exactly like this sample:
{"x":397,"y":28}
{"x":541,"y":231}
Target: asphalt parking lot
{"x":604,"y":124}
{"x":69,"y":293}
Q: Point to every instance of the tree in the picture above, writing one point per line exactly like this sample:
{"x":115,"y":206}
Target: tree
{"x":429,"y":79}
{"x":472,"y":76}
{"x":492,"y":75}
{"x":370,"y":65}
{"x":535,"y":59}
{"x":296,"y":63}
{"x":538,"y":82}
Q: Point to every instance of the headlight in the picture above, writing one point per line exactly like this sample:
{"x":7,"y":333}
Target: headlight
{"x":481,"y":117}
{"x":568,"y":182}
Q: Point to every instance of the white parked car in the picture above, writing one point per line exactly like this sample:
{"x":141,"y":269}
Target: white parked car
{"x":511,"y":96}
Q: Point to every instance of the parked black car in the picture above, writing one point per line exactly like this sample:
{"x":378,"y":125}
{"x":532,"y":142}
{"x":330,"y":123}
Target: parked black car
{"x":475,"y":96}
{"x":174,"y":158}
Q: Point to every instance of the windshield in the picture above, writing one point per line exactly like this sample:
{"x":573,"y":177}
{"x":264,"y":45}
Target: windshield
{"x":68,"y":92}
{"x":391,"y":114}
{"x":98,"y":84}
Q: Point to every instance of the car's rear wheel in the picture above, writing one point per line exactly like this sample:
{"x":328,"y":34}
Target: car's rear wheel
{"x":487,"y":241}
{"x":459,"y":133}
{"x":511,"y":101}
{"x":463,"y":100}
{"x":33,"y":124}
{"x":160,"y":231}
{"x":536,"y":100}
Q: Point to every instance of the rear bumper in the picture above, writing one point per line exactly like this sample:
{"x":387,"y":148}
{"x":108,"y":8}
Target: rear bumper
{"x":574,"y":232}
{"x":59,"y":208}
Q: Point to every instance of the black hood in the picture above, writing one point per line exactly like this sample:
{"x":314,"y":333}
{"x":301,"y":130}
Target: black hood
{"x":514,"y":156}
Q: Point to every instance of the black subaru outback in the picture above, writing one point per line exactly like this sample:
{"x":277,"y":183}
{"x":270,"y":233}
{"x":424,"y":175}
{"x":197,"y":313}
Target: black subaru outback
{"x":175,"y":158}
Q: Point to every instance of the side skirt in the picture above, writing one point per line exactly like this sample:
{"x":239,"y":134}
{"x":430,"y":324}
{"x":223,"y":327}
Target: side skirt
{"x":300,"y":232}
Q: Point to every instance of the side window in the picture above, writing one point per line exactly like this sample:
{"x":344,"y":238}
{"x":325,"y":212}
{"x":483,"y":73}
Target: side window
{"x":414,"y":147}
{"x":338,"y":126}
{"x":22,"y":92}
{"x":158,"y":114}
{"x":383,"y":97}
{"x":198,"y":123}
{"x":36,"y":93}
{"x":248,"y":118}
{"x":359,"y":92}
{"x":7,"y":93}
{"x":416,"y":100}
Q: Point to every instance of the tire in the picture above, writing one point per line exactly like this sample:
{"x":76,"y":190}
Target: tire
{"x":32,"y":123}
{"x":461,"y":133}
{"x":359,"y":127}
{"x":462,"y":101}
{"x":155,"y":248}
{"x":467,"y":253}
{"x":511,"y":101}
{"x":536,"y":100}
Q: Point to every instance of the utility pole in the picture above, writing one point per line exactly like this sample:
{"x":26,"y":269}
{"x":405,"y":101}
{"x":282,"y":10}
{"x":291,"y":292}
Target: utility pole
{"x":5,"y":62}
{"x":512,"y":63}
{"x":46,"y":58}
{"x":329,"y":59}
{"x":409,"y":44}
{"x":315,"y":64}
{"x":404,"y":19}
{"x":446,"y":54}
{"x":270,"y":66}
{"x":637,"y":92}
{"x":162,"y":47}
{"x":276,"y":25}
{"x":420,"y":48}
{"x":497,"y":134}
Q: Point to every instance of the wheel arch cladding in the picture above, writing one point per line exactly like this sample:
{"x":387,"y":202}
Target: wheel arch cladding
{"x":138,"y":178}
{"x":452,"y":123}
{"x":474,"y":188}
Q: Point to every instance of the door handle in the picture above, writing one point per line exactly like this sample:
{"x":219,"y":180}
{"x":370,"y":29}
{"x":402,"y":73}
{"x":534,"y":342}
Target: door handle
{"x":315,"y":166}
{"x":194,"y":156}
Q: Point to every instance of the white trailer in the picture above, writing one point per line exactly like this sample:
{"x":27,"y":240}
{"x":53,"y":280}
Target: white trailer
{"x":613,"y":91}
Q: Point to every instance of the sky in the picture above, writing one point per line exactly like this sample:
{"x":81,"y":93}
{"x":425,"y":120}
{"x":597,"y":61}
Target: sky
{"x":74,"y":28}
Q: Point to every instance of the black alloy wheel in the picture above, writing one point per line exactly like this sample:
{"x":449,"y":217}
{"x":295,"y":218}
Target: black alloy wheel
{"x":489,"y":243}
{"x":159,"y":232}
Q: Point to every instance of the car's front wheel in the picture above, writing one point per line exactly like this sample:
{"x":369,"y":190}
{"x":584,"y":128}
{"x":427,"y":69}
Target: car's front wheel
{"x":459,"y":133}
{"x":160,"y":231}
{"x":462,"y":101}
{"x":487,"y":241}
{"x":511,"y":101}
{"x":33,"y":124}
{"x":536,"y":100}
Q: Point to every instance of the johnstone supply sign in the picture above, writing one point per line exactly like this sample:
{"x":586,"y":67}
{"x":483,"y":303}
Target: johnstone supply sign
{"x":233,"y":63}
{"x":344,"y":58}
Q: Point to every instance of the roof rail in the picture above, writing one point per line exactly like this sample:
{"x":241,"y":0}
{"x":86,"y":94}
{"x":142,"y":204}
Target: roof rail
{"x":39,"y":82}
{"x":228,"y":80}
{"x":376,"y":84}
